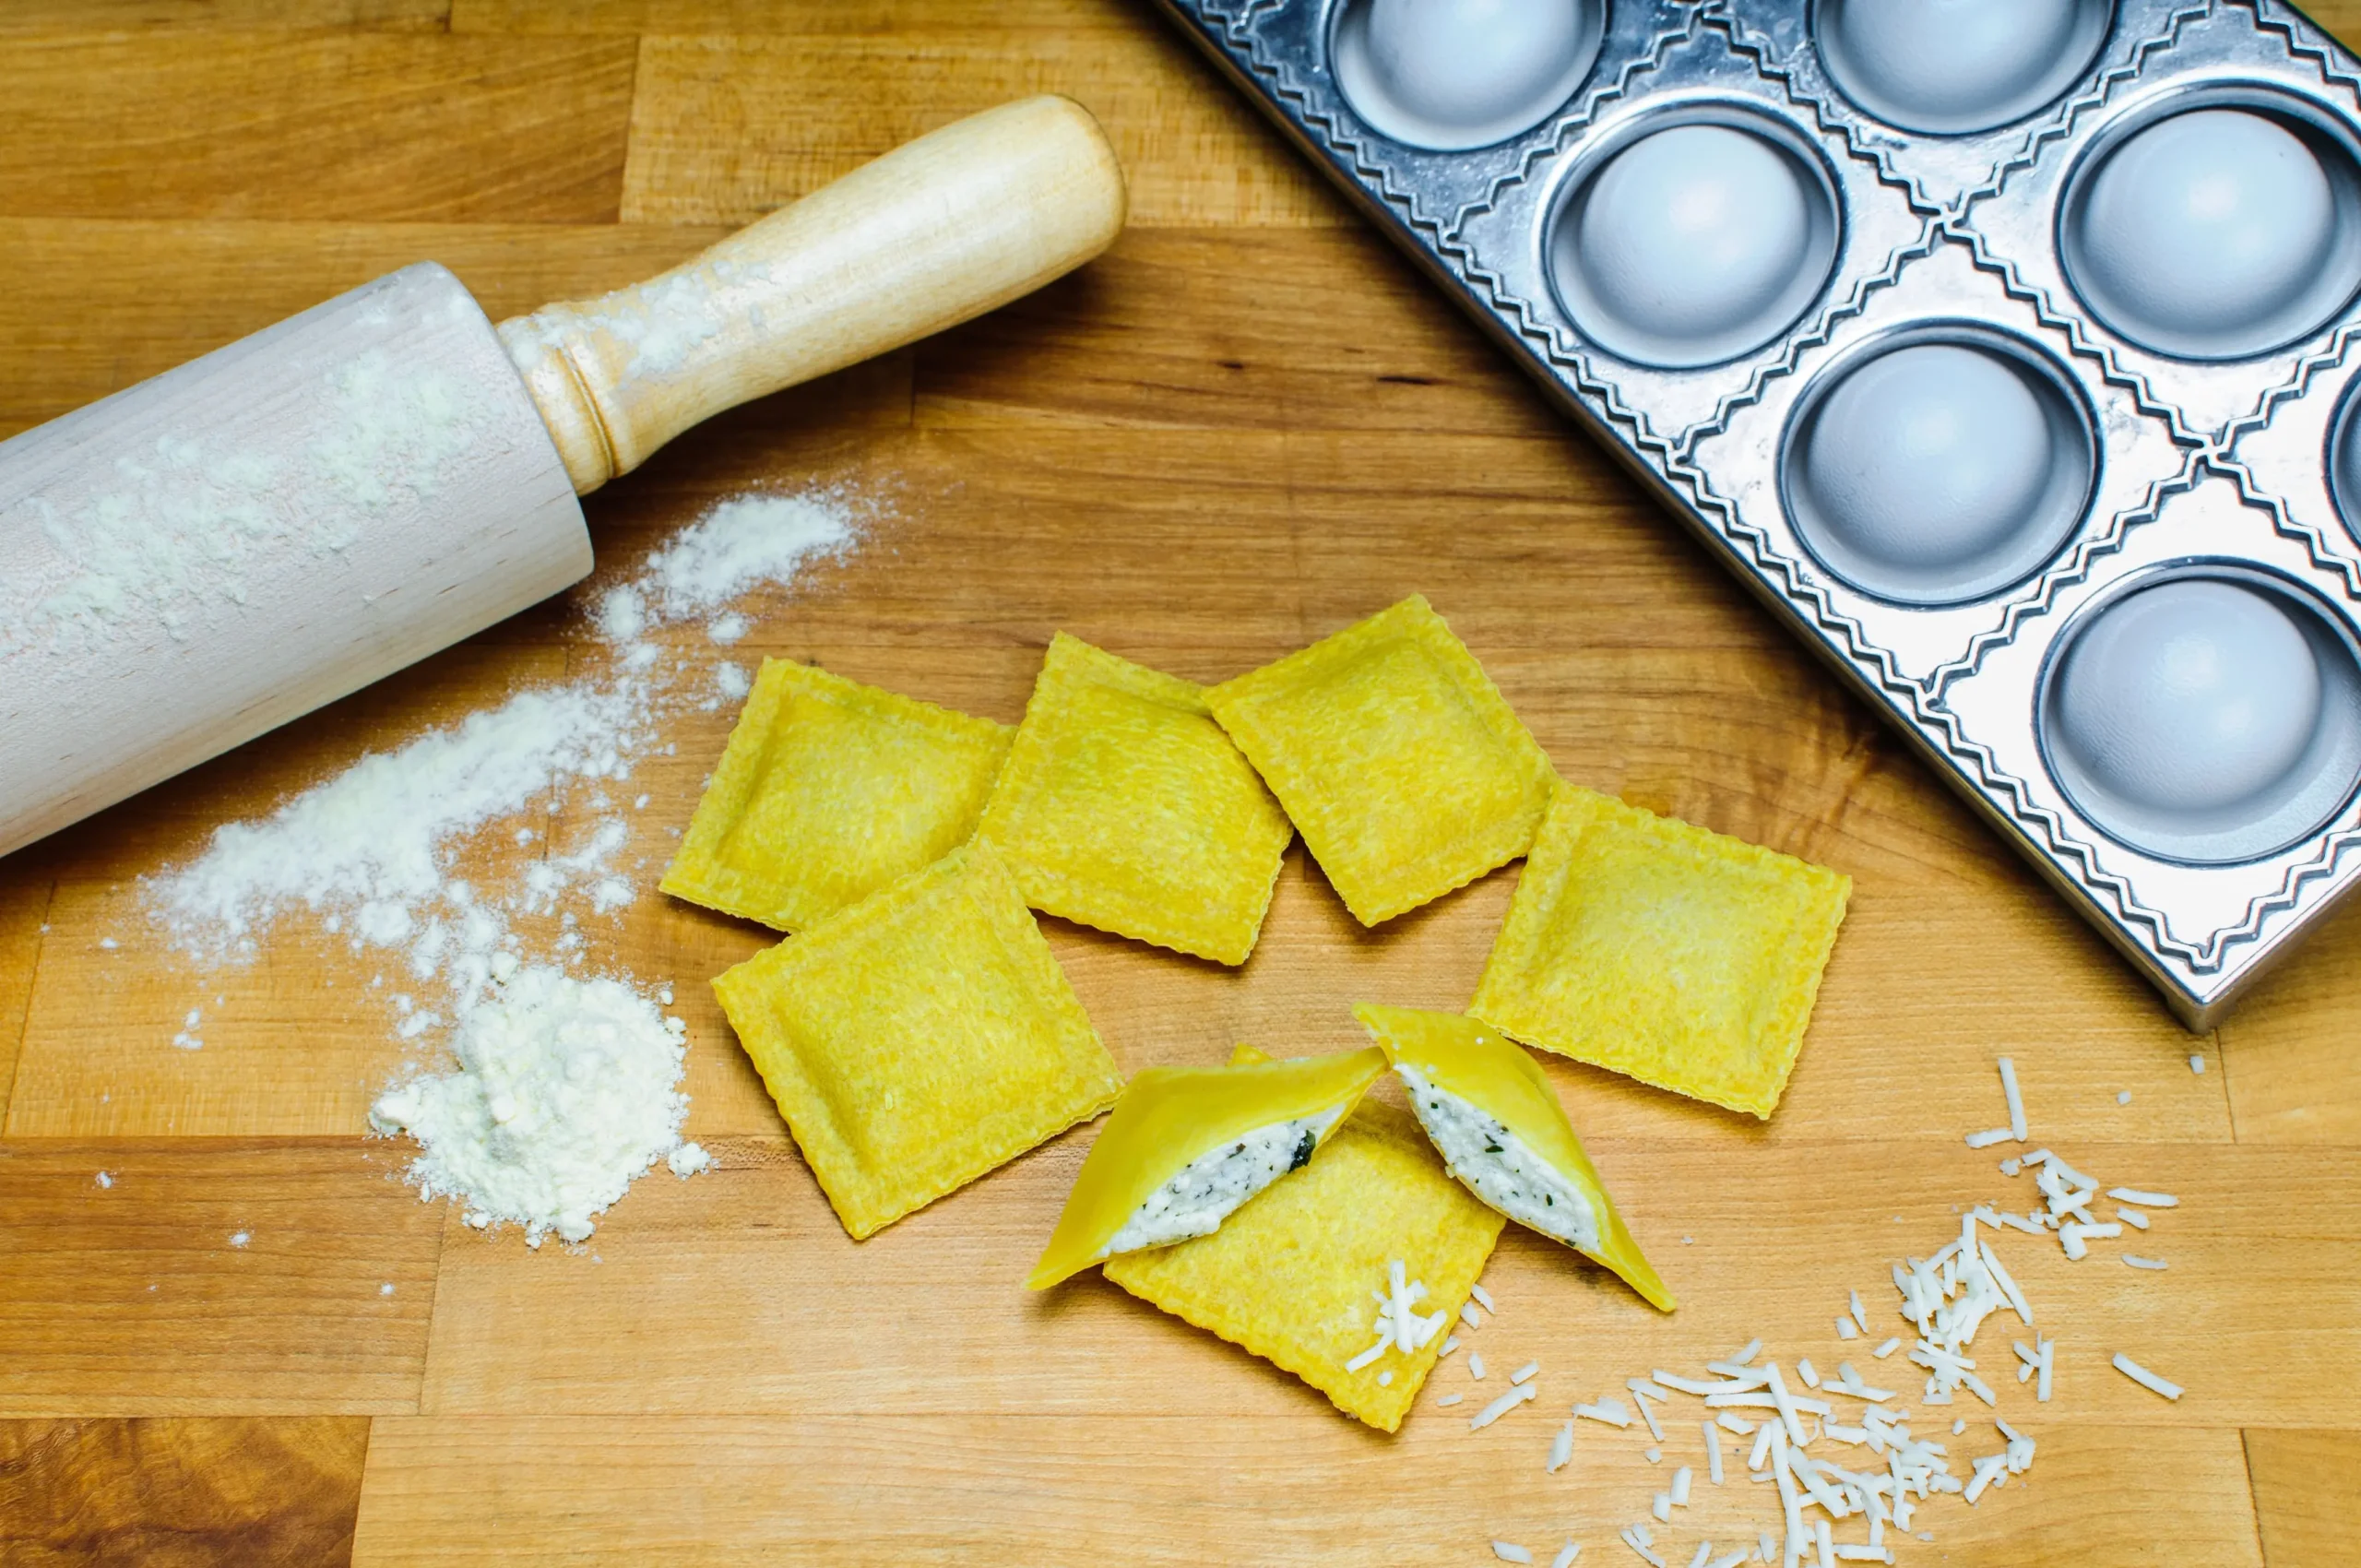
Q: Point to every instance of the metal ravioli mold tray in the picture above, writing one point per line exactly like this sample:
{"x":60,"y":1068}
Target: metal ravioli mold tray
{"x":2006,"y":349}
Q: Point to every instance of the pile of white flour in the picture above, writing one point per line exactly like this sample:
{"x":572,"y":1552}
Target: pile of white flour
{"x":566,"y":1084}
{"x":566,"y":1092}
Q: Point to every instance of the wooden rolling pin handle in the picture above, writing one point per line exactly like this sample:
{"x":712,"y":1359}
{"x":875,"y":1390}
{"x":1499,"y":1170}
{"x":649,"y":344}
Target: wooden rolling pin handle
{"x":936,"y":232}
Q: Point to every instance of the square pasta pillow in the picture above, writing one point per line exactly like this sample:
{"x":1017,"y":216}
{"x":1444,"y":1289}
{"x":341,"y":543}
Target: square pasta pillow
{"x":918,"y":1040}
{"x":1290,"y":1277}
{"x":828,"y":790}
{"x":1400,"y":763}
{"x":1125,"y":807}
{"x":1684,"y":959}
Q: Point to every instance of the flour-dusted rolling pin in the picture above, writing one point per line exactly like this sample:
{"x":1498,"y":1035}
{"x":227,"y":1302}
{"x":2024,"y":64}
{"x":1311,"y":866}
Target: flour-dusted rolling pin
{"x":204,"y":556}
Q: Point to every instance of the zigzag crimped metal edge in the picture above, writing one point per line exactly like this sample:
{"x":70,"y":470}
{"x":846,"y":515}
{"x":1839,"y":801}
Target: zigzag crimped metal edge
{"x":2059,"y":124}
{"x":1930,"y":235}
{"x":2329,"y":59}
{"x":1246,"y":46}
{"x":1574,"y":121}
{"x":1601,"y":394}
{"x":1378,"y":176}
{"x":2284,"y":522}
{"x":1857,"y":647}
{"x":2309,"y":364}
{"x":2093,"y":96}
{"x":1996,"y":782}
{"x":1924,"y":708}
{"x":2295,"y":387}
{"x":2110,"y":368}
{"x":2205,"y":957}
{"x":1716,"y":13}
{"x":1564,"y":350}
{"x":2039,"y":601}
{"x":2325,"y":56}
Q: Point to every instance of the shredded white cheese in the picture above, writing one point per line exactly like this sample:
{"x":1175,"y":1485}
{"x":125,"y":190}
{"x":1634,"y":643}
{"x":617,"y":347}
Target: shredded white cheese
{"x":2016,"y":1101}
{"x":1502,"y":1407}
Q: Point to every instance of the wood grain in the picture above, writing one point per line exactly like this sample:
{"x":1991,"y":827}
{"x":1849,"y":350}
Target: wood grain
{"x":2289,"y":1057}
{"x":724,"y":129}
{"x":2303,"y":1496}
{"x":36,"y":17}
{"x":138,"y":1296}
{"x":1249,"y":424}
{"x":293,"y":1047}
{"x":1051,"y":528}
{"x":847,"y":1487}
{"x":2253,"y":1315}
{"x":25,"y":885}
{"x":277,"y":1492}
{"x":362,"y":125}
{"x":787,"y":18}
{"x":1177,"y":327}
{"x":88,"y":306}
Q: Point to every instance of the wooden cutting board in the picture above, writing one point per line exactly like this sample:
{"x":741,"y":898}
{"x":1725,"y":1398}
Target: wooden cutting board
{"x":1247,"y":426}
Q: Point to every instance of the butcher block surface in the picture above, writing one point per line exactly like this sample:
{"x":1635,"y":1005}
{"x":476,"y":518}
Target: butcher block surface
{"x":1247,"y":426}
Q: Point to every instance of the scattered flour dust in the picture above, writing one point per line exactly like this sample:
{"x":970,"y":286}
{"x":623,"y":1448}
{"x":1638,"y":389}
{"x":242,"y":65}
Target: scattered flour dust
{"x":565,"y":1085}
{"x":178,"y":536}
{"x":740,"y":544}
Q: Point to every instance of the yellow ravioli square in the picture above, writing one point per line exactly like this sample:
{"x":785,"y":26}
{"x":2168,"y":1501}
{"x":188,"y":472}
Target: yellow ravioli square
{"x":1684,"y":959}
{"x":918,"y":1039}
{"x":828,"y":790}
{"x":1289,"y":1276}
{"x":1400,"y":763}
{"x":1124,"y":806}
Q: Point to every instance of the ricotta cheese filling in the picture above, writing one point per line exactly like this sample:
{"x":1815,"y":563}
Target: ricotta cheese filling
{"x":1209,"y":1187}
{"x":1501,"y":1167}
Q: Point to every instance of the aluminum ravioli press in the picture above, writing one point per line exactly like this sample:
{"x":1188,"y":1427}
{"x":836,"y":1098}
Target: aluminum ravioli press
{"x":2005,"y":348}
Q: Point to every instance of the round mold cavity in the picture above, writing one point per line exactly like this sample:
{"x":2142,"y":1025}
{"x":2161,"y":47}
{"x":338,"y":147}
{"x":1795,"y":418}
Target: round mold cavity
{"x":2220,"y":225}
{"x":2207,"y":713}
{"x":1938,"y":464}
{"x":1697,"y":235}
{"x":1449,"y":76}
{"x":1951,"y":67}
{"x":2343,"y":458}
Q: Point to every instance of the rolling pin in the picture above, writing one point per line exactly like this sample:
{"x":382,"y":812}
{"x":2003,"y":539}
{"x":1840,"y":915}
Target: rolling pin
{"x":202,"y":557}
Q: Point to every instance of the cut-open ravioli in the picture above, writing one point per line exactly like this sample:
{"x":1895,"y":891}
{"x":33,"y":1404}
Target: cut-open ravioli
{"x":1295,"y":1274}
{"x":918,"y":1039}
{"x":1186,"y":1145}
{"x":1397,"y":758}
{"x":1124,"y":806}
{"x":828,"y":790}
{"x":1649,"y":946}
{"x":1501,"y":1130}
